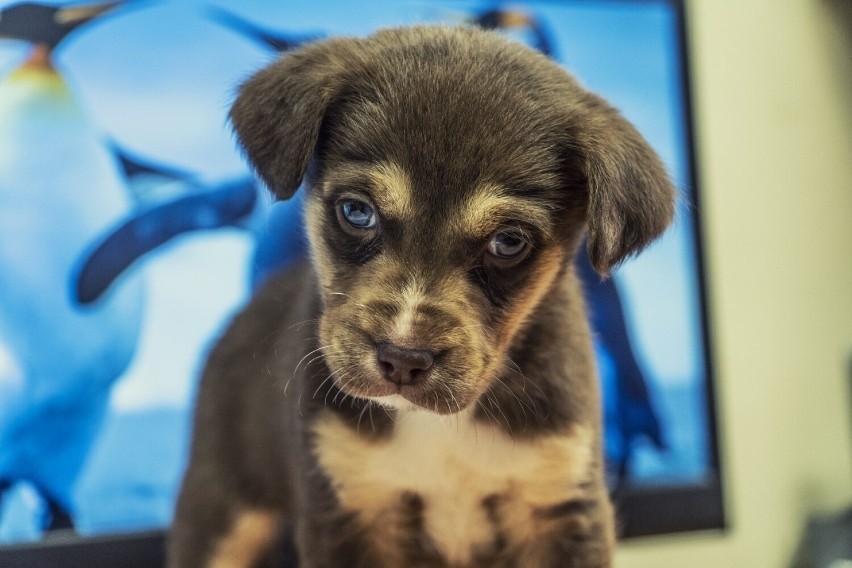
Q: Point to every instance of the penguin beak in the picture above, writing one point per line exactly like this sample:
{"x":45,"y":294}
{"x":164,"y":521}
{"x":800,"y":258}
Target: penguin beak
{"x":515,"y":20}
{"x":76,"y":15}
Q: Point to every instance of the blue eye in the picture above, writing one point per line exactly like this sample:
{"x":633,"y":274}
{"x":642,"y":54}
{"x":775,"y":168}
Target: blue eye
{"x":358,"y":214}
{"x":507,"y":245}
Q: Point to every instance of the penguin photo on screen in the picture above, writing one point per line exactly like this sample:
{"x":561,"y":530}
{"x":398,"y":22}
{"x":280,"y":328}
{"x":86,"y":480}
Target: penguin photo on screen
{"x":60,"y":186}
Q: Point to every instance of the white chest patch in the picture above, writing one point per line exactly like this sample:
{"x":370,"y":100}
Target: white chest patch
{"x":454,"y":464}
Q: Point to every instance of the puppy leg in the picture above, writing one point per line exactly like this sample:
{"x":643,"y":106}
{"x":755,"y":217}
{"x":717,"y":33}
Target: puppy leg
{"x":211,"y":532}
{"x":249,"y":541}
{"x":581,"y":536}
{"x":333,"y":541}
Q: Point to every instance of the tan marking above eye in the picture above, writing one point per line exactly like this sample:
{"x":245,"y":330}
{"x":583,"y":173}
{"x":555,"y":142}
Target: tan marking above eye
{"x":393,"y":191}
{"x":490,"y":207}
{"x":386,"y":183}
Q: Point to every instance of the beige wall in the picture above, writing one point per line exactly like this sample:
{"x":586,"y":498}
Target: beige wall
{"x":773,"y":91}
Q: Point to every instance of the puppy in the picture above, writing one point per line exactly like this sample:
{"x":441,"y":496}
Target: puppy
{"x":424,"y":394}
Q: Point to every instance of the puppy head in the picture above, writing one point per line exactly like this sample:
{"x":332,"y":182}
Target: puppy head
{"x":451,"y":177}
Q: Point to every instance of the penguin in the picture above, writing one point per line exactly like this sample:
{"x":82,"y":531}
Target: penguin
{"x":60,"y":187}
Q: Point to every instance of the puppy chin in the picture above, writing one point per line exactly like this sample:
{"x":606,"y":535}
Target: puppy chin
{"x":396,"y":402}
{"x":427,"y":396}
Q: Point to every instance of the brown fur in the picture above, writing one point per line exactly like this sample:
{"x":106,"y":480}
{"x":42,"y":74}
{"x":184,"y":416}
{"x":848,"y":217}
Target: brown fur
{"x":250,"y":535}
{"x":492,"y":457}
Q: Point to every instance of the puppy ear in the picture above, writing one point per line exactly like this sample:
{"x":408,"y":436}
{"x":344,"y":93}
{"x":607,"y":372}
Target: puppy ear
{"x":631,"y":199}
{"x":278,"y":113}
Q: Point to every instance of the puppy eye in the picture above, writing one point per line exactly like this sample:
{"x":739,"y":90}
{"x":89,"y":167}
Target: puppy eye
{"x":358,"y":214}
{"x":508,"y":246}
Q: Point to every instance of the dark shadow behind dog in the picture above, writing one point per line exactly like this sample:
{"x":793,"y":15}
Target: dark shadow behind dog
{"x":424,"y":394}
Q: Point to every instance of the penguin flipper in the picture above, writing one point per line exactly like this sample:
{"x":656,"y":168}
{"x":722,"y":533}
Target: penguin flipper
{"x":133,"y":166}
{"x":148,"y":230}
{"x":80,"y":14}
{"x":277,"y":41}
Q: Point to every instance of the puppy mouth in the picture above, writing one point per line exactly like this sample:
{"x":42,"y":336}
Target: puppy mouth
{"x":407,"y":396}
{"x":433,"y":388}
{"x":428,"y":393}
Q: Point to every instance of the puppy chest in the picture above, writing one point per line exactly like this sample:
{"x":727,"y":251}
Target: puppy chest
{"x":467,"y":488}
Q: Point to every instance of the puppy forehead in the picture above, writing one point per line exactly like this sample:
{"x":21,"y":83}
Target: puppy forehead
{"x":452,"y":112}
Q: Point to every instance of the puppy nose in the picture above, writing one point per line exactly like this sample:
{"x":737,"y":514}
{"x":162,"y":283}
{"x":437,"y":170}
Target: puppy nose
{"x":403,"y":366}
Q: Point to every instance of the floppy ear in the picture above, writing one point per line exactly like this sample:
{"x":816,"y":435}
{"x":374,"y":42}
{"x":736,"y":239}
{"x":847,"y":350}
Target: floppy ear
{"x":278,"y":112}
{"x":631,"y":199}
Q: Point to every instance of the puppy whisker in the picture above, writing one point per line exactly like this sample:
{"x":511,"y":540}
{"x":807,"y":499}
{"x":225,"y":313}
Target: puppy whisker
{"x":354,"y":302}
{"x":342,"y":389}
{"x":302,"y":323}
{"x":366,"y":408}
{"x":331,"y":376}
{"x":499,"y":382}
{"x":308,"y":354}
{"x":308,"y":364}
{"x":542,"y":397}
{"x":496,"y":404}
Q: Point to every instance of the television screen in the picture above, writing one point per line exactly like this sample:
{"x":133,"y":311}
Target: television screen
{"x":131,"y":230}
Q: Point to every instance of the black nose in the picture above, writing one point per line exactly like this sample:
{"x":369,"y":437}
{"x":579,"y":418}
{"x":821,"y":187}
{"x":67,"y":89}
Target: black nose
{"x":403,"y":366}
